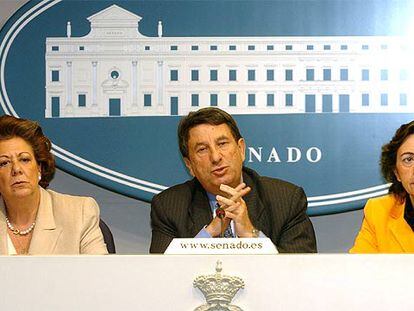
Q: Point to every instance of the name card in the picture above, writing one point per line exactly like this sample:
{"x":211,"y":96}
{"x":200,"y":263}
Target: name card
{"x":221,"y":246}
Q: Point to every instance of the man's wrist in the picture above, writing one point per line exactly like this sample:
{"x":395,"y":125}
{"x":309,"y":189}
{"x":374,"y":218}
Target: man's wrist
{"x":255,"y":233}
{"x":250,"y":232}
{"x":211,"y":229}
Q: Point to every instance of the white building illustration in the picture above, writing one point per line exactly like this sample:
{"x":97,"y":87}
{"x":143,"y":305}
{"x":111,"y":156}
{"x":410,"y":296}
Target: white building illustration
{"x":117,"y":71}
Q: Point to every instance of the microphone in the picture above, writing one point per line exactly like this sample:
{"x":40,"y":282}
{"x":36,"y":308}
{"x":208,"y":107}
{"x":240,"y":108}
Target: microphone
{"x":221,"y":213}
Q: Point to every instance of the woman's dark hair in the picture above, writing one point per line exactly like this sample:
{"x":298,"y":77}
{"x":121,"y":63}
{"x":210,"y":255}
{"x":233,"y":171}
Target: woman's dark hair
{"x":208,"y":115}
{"x":389,"y":159}
{"x":32,"y":133}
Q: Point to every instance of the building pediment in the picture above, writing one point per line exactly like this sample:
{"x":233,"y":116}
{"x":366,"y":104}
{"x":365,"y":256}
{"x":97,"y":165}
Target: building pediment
{"x":113,"y":14}
{"x":114,"y":21}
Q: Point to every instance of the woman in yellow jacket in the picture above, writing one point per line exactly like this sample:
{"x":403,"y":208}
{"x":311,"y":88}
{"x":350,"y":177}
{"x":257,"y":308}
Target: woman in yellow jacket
{"x":389,"y":220}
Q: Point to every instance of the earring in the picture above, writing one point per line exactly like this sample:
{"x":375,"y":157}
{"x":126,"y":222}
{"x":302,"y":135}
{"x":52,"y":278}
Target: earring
{"x":39,"y":177}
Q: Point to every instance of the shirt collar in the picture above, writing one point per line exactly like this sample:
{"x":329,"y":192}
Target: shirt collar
{"x":212,"y":200}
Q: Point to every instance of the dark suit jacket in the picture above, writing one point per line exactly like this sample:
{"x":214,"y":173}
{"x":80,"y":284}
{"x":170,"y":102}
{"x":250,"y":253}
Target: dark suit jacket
{"x":277,"y":208}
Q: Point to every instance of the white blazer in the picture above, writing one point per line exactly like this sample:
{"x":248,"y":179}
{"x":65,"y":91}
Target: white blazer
{"x":65,"y":225}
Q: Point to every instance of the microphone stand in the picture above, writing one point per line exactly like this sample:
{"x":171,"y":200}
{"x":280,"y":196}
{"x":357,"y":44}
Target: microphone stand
{"x":220,"y":213}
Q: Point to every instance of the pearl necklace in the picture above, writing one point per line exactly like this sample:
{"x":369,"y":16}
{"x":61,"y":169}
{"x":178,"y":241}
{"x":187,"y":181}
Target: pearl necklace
{"x":17,"y":231}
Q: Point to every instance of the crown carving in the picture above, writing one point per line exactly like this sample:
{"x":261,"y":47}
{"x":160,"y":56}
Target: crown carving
{"x":218,"y":290}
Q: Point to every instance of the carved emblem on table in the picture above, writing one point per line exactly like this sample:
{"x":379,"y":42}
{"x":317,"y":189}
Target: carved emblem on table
{"x":218,"y":290}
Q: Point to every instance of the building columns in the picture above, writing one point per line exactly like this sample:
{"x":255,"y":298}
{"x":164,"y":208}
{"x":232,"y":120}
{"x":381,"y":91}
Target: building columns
{"x":134,"y":84}
{"x":94,"y":83}
{"x":69,"y":83}
{"x":160,"y":82}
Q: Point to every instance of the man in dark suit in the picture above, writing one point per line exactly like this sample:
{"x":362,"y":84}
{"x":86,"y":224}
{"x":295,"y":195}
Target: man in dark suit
{"x":255,"y":206}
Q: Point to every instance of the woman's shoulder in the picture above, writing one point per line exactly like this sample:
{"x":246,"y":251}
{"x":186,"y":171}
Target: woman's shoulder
{"x":385,"y":200}
{"x":381,"y":205}
{"x":68,"y":200}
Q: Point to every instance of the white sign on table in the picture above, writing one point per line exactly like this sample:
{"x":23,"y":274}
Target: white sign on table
{"x":221,"y":246}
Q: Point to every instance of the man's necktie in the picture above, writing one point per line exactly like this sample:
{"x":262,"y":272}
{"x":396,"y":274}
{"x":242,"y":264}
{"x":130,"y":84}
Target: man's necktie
{"x":228,"y":233}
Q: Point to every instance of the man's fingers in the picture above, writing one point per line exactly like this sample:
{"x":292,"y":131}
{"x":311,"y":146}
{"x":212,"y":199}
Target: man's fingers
{"x":230,"y":190}
{"x":240,"y":194}
{"x":230,"y":215}
{"x":232,"y":208}
{"x":245,"y":191}
{"x":224,"y":201}
{"x":240,"y":187}
{"x":235,"y":193}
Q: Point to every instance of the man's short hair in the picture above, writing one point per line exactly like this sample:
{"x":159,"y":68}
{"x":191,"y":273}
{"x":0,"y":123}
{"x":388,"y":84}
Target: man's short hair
{"x":208,"y":115}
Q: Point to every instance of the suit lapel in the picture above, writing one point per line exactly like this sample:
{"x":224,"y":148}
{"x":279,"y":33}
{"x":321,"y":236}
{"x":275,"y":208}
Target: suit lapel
{"x":3,"y":229}
{"x":400,"y":229}
{"x":199,"y":211}
{"x":45,"y":233}
{"x":255,"y":206}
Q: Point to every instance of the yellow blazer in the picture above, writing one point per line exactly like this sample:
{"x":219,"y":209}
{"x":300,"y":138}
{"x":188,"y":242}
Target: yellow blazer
{"x":65,"y":225}
{"x":384,"y":229}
